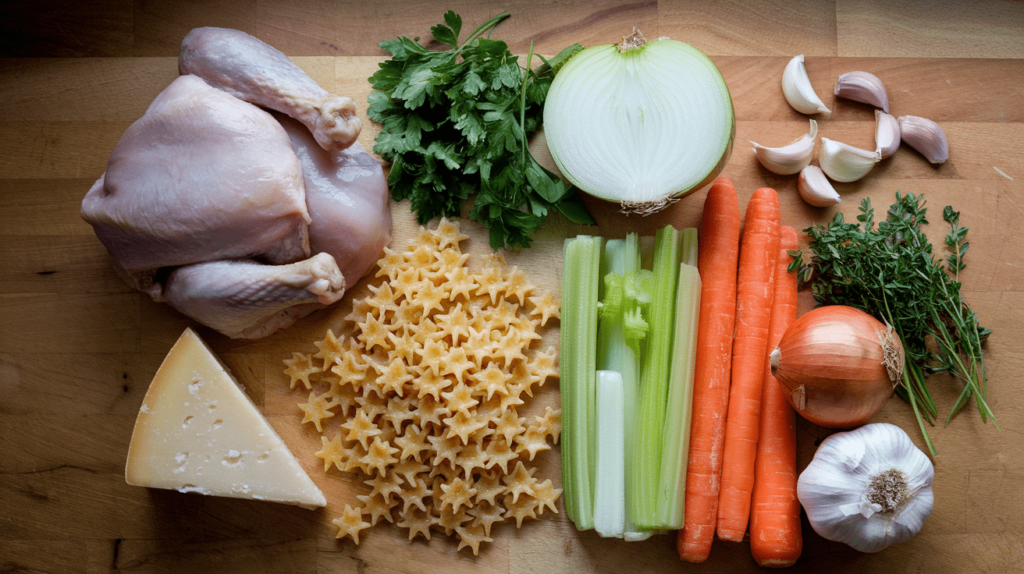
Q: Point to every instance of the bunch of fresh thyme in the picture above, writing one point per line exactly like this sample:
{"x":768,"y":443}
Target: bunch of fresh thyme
{"x":890,"y":272}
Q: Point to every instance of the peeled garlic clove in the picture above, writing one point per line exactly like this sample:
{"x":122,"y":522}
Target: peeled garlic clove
{"x":864,"y":88}
{"x":815,"y":189}
{"x":845,"y":163}
{"x":887,"y":134}
{"x":798,"y":91}
{"x":926,"y":137}
{"x":789,"y":159}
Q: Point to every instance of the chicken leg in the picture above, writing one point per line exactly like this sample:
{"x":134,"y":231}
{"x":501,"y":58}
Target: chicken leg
{"x":254,"y":71}
{"x":250,"y":300}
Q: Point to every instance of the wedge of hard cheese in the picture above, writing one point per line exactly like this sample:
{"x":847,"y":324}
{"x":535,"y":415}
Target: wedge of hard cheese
{"x":198,"y":431}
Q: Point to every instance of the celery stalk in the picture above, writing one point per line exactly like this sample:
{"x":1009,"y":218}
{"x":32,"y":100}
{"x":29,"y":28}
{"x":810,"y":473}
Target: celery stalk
{"x":610,"y":481}
{"x":621,"y":328}
{"x":645,"y":467}
{"x":581,"y":276}
{"x":676,"y":446}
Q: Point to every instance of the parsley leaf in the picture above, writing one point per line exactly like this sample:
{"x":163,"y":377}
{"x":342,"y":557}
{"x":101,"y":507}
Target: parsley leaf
{"x":455,"y":124}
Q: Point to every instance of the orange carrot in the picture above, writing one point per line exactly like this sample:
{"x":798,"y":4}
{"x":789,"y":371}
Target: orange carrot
{"x":775,"y":539}
{"x":718,"y":252}
{"x":759,"y":250}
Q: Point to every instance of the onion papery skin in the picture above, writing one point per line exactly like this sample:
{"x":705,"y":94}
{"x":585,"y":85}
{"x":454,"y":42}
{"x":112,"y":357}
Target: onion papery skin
{"x":642,"y":127}
{"x":830,"y":361}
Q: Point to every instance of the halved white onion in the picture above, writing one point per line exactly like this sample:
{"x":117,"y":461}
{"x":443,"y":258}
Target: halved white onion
{"x":641,"y":126}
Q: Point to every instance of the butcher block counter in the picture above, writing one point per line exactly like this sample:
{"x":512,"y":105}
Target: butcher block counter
{"x":78,"y":347}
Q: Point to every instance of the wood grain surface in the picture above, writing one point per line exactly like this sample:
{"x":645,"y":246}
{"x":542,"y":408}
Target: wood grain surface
{"x":78,"y":347}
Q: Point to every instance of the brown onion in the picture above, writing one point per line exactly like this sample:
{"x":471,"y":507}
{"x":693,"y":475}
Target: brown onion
{"x":839,"y":366}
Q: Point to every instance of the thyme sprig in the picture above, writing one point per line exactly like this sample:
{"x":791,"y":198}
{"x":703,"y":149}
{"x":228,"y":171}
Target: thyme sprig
{"x":889,"y":270}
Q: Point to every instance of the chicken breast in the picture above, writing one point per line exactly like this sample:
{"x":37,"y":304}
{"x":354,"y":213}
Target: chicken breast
{"x":347,"y":195}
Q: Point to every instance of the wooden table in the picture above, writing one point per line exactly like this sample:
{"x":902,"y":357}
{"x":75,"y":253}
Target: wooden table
{"x":78,"y":348}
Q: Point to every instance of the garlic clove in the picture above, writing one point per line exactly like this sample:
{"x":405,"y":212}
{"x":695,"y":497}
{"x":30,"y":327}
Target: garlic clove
{"x":797,"y":88}
{"x":926,"y":137}
{"x":863,"y":87}
{"x":845,"y":163}
{"x":789,"y":159}
{"x":887,"y":134}
{"x":815,"y":189}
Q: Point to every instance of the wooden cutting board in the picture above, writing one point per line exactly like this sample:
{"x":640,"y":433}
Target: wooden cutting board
{"x":78,"y":347}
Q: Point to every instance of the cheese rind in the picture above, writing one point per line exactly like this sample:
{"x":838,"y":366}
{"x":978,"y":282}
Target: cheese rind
{"x":197,"y":431}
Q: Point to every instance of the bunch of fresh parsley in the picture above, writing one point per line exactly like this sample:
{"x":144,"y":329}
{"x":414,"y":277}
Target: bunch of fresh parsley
{"x":890,"y":272}
{"x":455,"y":123}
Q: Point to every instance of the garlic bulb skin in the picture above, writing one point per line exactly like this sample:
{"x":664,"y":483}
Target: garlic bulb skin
{"x":868,"y":488}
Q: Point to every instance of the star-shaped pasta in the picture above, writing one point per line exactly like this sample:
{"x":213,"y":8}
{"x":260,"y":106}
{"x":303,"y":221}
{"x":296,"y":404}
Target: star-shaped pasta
{"x":413,"y":442}
{"x":433,"y":426}
{"x":350,"y":370}
{"x":431,"y":355}
{"x":518,"y":286}
{"x":551,"y":423}
{"x":449,"y":519}
{"x":391,"y":264}
{"x":316,"y":408}
{"x":485,"y":514}
{"x":448,"y":234}
{"x":488,"y":487}
{"x":509,"y":425}
{"x":377,"y":507}
{"x":532,"y":441}
{"x":400,"y":411}
{"x":432,"y":384}
{"x":454,"y":325}
{"x":374,"y":333}
{"x":471,"y":536}
{"x":456,"y":494}
{"x":472,"y":458}
{"x":491,"y":282}
{"x":546,"y":306}
{"x":490,"y":381}
{"x":525,"y":508}
{"x":351,"y":523}
{"x":409,"y":470}
{"x":361,"y":429}
{"x":523,"y":379}
{"x":460,"y":398}
{"x":385,"y":485}
{"x":417,"y":521}
{"x":393,"y":377}
{"x":300,"y":367}
{"x":329,"y":349}
{"x":461,"y":284}
{"x":456,"y":363}
{"x":520,"y":481}
{"x":445,"y":449}
{"x":332,"y":453}
{"x":462,"y":425}
{"x":380,"y":455}
{"x":499,"y":455}
{"x":546,"y":495}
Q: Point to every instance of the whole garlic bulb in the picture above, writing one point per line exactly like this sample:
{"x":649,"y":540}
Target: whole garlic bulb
{"x":869,"y":487}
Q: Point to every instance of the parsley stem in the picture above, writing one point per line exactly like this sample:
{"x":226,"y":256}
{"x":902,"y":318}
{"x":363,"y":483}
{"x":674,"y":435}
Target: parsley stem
{"x":522,"y":103}
{"x":483,"y":28}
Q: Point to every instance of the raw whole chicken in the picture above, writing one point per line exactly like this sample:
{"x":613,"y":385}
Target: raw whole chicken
{"x":243,"y":220}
